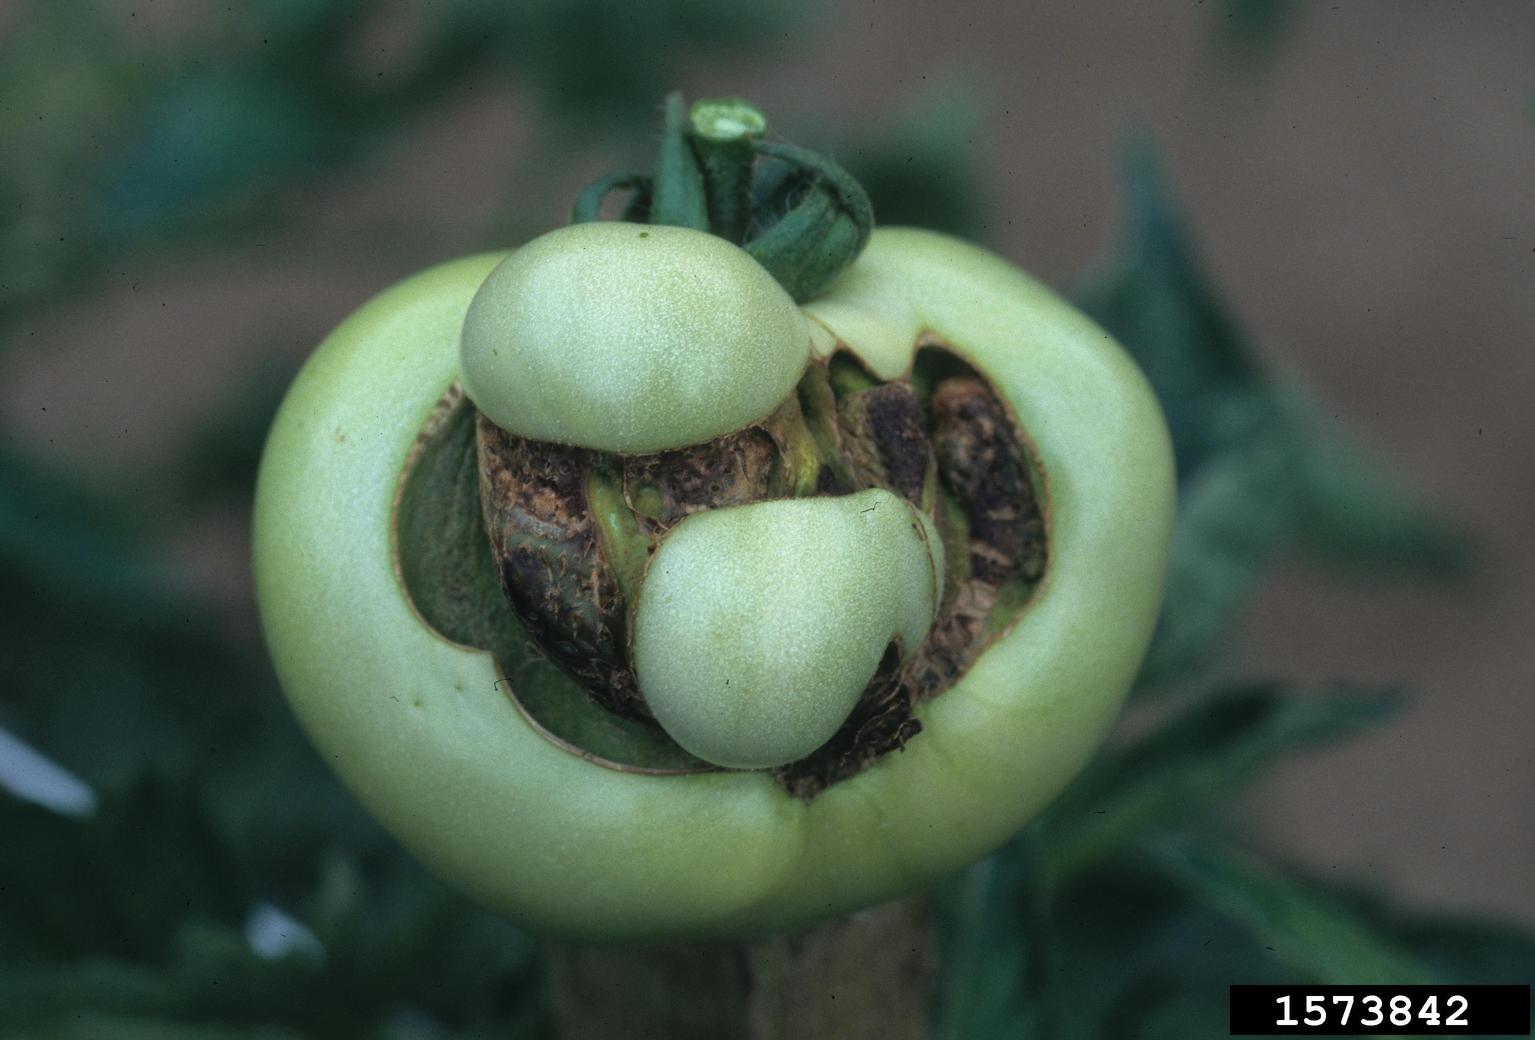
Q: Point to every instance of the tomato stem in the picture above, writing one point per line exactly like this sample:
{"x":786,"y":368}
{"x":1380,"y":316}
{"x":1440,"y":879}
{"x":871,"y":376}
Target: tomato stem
{"x":723,"y":133}
{"x":588,"y":204}
{"x":850,"y":978}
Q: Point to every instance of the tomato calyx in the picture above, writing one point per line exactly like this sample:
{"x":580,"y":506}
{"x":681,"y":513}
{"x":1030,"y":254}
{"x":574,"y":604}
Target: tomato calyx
{"x":796,"y":212}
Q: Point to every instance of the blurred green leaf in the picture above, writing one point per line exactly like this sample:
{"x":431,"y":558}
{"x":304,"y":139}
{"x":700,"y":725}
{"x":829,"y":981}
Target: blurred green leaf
{"x":995,"y":940}
{"x":1314,"y":934}
{"x":396,"y":949}
{"x":921,"y":167}
{"x":1461,"y":951}
{"x":1237,"y":453}
{"x":1154,"y":298}
{"x":1137,"y":949}
{"x":113,"y":888}
{"x":1204,"y":755}
{"x":1254,"y":28}
{"x":110,"y":667}
{"x":107,"y":661}
{"x":207,"y":139}
{"x":1259,"y":472}
{"x":403,"y":938}
{"x":1120,"y":951}
{"x":1138,"y":959}
{"x":1236,"y":516}
{"x":116,"y":148}
{"x":1357,"y":516}
{"x":77,"y":550}
{"x":222,"y":455}
{"x":88,"y":1026}
{"x":68,"y":84}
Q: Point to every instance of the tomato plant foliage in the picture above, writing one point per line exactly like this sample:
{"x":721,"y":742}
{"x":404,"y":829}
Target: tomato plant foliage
{"x":218,"y":883}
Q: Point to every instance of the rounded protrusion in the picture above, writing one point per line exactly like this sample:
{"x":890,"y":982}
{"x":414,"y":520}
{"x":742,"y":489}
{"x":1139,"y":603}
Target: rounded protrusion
{"x":630,"y":338}
{"x":758,"y":627}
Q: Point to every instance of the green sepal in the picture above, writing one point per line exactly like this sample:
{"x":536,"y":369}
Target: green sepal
{"x":830,"y":176}
{"x":822,"y":234}
{"x":588,"y":204}
{"x":679,"y":198}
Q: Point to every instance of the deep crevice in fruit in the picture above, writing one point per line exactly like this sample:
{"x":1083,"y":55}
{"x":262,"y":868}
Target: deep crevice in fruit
{"x":445,"y":567}
{"x":880,"y":723}
{"x":544,"y":540}
{"x":567,"y":533}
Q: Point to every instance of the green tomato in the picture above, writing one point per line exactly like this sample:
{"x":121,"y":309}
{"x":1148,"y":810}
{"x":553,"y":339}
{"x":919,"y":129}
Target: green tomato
{"x":710,"y":341}
{"x":759,"y":626}
{"x":420,"y":728}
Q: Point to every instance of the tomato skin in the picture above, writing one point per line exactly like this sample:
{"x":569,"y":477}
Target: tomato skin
{"x":759,"y":626}
{"x":417,"y":728}
{"x":710,"y":341}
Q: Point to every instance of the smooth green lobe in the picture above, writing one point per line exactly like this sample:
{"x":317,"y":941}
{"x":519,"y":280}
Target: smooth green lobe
{"x":759,"y":626}
{"x":631,"y":338}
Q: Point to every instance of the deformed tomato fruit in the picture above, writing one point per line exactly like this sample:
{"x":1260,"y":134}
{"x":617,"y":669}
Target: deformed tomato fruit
{"x":651,"y":581}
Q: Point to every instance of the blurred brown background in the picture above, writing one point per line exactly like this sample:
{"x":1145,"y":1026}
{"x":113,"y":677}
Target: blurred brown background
{"x":1364,"y":193}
